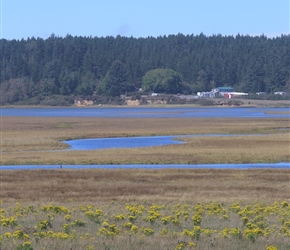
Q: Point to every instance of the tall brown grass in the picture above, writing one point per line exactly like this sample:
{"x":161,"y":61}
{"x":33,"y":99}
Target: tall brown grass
{"x":163,"y":185}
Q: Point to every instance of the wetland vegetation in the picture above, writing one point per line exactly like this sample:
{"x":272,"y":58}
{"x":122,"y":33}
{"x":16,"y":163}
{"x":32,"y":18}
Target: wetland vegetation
{"x":36,"y":140}
{"x":145,"y":208}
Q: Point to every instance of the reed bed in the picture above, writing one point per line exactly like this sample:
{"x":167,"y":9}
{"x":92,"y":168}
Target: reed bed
{"x":166,"y":185}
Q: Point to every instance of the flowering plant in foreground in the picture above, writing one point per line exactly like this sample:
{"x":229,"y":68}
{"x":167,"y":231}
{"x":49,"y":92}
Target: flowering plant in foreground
{"x":177,"y":226}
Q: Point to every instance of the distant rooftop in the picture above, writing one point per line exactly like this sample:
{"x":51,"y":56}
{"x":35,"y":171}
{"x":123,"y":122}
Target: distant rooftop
{"x":224,"y":89}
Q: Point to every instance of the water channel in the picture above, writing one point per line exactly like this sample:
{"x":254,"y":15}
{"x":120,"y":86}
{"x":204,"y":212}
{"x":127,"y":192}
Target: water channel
{"x":280,"y":165}
{"x":145,"y":112}
{"x":150,"y":112}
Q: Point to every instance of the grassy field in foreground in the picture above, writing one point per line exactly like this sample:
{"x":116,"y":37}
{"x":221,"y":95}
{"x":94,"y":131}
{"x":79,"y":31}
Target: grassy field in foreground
{"x":144,"y":225}
{"x":28,"y":140}
{"x":145,"y":209}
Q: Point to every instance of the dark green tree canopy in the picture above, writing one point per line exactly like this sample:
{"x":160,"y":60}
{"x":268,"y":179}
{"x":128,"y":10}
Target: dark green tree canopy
{"x":162,"y":81}
{"x":115,"y":81}
{"x":73,"y":65}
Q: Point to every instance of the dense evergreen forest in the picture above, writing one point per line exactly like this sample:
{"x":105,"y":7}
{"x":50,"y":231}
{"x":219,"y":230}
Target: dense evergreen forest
{"x":111,"y":66}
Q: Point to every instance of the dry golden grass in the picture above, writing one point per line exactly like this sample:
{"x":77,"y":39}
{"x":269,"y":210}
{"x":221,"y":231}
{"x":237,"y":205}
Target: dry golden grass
{"x":163,"y":185}
{"x":28,"y":140}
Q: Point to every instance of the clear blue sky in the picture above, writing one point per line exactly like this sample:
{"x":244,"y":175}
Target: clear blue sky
{"x":142,"y":18}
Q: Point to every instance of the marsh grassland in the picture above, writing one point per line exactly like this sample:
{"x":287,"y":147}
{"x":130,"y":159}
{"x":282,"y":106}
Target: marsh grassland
{"x":37,"y":140}
{"x":139,"y":208}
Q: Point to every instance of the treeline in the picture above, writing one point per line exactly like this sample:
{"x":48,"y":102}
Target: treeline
{"x":111,"y":66}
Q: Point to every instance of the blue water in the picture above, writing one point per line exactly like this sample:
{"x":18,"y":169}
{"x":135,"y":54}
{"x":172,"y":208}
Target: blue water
{"x":165,"y":112}
{"x":280,"y":165}
{"x":133,"y":142}
{"x":144,"y":112}
{"x":125,"y":142}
